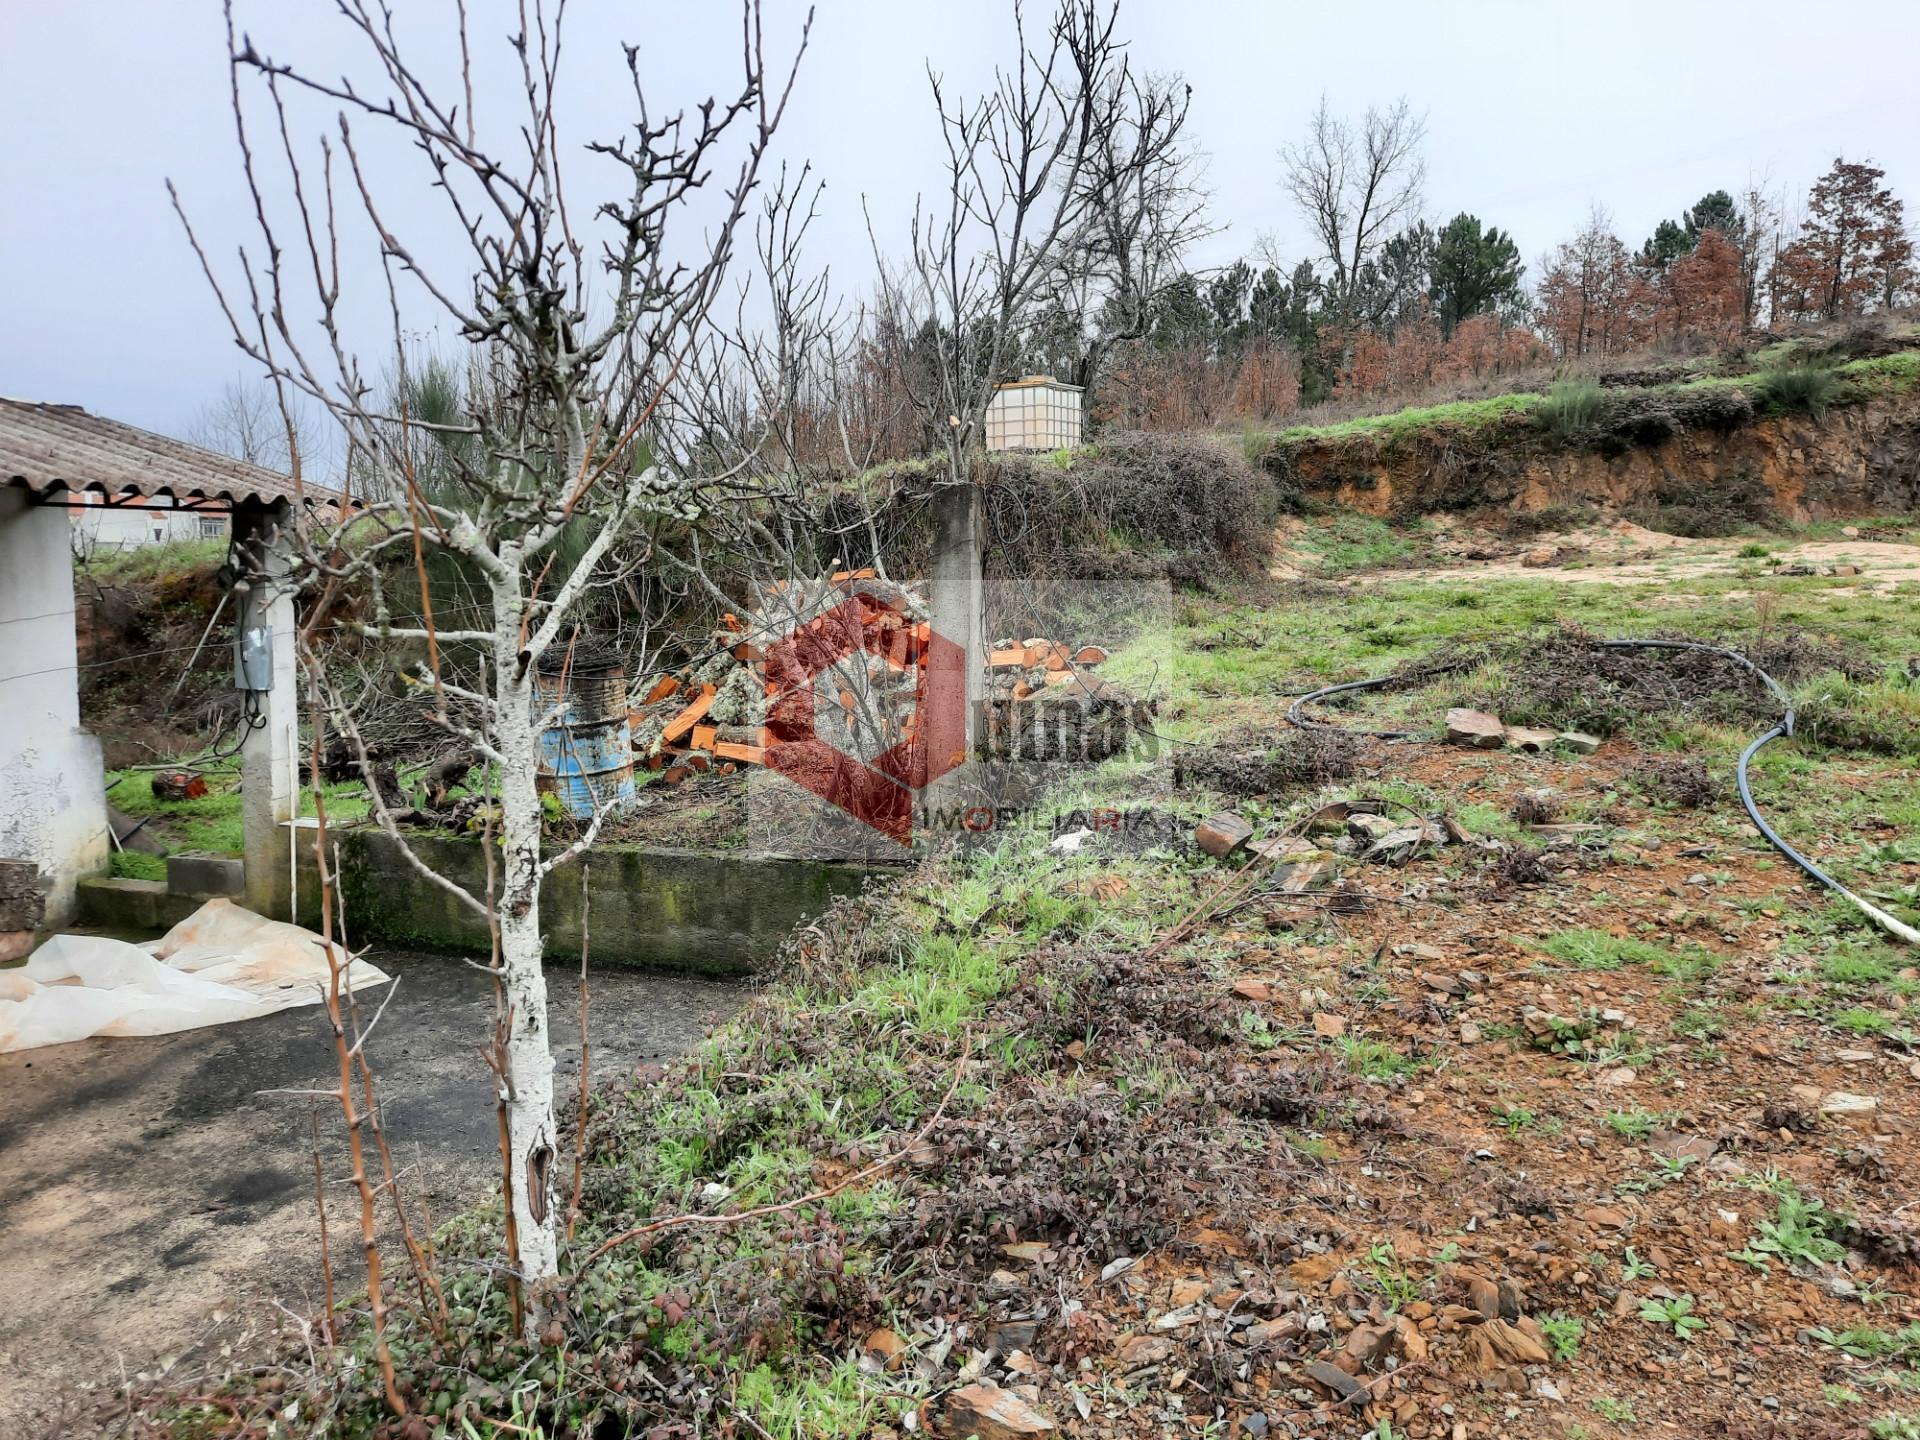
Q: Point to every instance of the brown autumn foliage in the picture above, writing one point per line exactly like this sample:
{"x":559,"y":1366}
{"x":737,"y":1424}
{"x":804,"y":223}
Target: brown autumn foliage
{"x":1194,"y":386}
{"x":1415,"y":356}
{"x":1483,"y":346}
{"x":1852,"y":254}
{"x":1703,"y":292}
{"x":1593,"y":299}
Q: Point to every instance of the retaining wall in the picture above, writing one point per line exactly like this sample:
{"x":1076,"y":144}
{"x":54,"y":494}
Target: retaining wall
{"x":666,"y":909}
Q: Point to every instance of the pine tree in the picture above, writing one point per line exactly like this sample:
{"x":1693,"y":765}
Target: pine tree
{"x":1474,"y":271}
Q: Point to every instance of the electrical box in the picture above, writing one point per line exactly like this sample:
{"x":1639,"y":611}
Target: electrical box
{"x":253,"y":658}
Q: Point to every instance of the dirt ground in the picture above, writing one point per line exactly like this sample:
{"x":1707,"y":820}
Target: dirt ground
{"x":1623,"y":553}
{"x":1620,"y":552}
{"x":1482,"y":1238}
{"x":151,"y":1184}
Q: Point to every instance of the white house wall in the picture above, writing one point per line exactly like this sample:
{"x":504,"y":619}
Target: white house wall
{"x":52,"y":805}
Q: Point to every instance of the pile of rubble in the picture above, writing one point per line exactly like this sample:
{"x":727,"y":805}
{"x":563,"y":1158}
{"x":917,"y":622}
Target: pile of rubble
{"x":1045,"y":703}
{"x":845,"y":661}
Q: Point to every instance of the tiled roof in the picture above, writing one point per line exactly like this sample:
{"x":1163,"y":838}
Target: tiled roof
{"x":49,"y":448}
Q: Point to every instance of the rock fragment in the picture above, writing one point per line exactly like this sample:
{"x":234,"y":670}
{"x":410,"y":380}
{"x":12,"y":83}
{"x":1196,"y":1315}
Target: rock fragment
{"x":1475,"y":728}
{"x":1220,"y":835}
{"x":986,"y":1410}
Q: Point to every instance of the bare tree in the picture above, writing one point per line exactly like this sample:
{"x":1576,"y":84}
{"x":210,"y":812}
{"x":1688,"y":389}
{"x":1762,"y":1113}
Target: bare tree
{"x":578,"y":320}
{"x":1356,"y":189}
{"x":1020,"y":167}
{"x":1142,"y":185}
{"x":1760,"y":233}
{"x":245,"y":421}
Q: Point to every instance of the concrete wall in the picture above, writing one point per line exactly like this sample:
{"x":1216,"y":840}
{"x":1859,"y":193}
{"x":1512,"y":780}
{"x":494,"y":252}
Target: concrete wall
{"x":660,"y":909}
{"x":671,"y":909}
{"x":53,"y":808}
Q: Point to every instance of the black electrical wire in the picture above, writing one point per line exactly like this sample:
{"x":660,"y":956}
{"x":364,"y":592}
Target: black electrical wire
{"x":1782,"y":729}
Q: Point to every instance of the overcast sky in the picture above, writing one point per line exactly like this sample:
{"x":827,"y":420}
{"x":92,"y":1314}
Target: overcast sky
{"x":1535,"y":112}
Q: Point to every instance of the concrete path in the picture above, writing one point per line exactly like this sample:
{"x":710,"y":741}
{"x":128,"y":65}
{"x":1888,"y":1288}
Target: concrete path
{"x":146,"y":1183}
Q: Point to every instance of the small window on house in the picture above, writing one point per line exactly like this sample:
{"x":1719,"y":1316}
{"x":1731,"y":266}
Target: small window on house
{"x":212,"y":527}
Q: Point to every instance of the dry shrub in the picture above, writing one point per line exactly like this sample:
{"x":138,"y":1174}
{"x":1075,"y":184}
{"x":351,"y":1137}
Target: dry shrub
{"x":1300,"y":758}
{"x":1534,"y":807}
{"x":1707,"y":510}
{"x":1792,"y":656}
{"x":1680,"y":781}
{"x":1782,"y":1115}
{"x":1129,"y":502}
{"x":1889,"y":1240}
{"x":1182,"y":497}
{"x":1522,"y":865}
{"x":1569,"y":678}
{"x":1551,"y":519}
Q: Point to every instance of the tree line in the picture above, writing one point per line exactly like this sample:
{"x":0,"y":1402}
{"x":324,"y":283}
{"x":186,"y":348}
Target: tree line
{"x":1386,"y":302}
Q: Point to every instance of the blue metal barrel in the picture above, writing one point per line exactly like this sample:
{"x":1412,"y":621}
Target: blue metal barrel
{"x":586,"y":755}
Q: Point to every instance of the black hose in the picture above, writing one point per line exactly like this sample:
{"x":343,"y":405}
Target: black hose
{"x":1783,"y":728}
{"x":1296,"y":719}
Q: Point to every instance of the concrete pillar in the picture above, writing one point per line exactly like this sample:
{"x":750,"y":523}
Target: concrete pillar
{"x":268,"y":779}
{"x":53,"y":807}
{"x":957,"y":602}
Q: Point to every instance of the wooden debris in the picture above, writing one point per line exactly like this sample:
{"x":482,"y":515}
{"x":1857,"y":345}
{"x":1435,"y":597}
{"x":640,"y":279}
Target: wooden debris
{"x":684,"y":722}
{"x":672,"y":722}
{"x":991,"y":1413}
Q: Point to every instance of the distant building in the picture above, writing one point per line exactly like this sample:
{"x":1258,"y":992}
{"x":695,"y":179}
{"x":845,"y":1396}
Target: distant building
{"x":1034,"y":413}
{"x":99,"y":525}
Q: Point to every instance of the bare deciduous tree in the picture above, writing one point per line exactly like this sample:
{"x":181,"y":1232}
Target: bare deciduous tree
{"x":1356,"y":189}
{"x":1143,"y":188}
{"x":1019,"y":167}
{"x":245,"y":421}
{"x":578,"y":320}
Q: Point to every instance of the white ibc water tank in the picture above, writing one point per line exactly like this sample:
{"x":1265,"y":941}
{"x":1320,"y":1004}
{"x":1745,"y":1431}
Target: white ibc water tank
{"x":1037,"y":412}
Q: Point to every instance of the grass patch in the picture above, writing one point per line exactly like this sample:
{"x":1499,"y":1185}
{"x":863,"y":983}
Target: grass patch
{"x":1570,"y":408}
{"x":132,"y":865}
{"x":212,"y":822}
{"x":1807,"y":389}
{"x":170,"y":559}
{"x":1586,"y":949}
{"x":1351,"y":541}
{"x":1460,"y":415}
{"x":1879,"y":717}
{"x":1375,"y":1059}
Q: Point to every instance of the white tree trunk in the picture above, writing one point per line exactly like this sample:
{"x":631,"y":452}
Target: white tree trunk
{"x":529,"y":1058}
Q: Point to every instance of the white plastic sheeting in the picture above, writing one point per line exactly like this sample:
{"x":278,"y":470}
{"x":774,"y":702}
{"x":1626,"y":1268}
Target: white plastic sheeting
{"x":220,"y":964}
